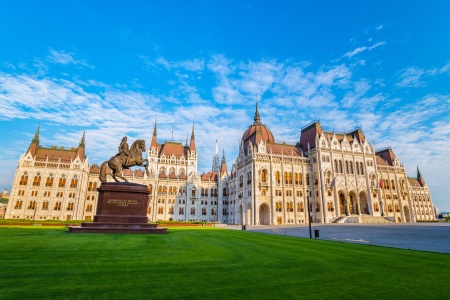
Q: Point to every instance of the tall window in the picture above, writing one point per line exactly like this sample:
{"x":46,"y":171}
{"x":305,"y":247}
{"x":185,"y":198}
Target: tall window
{"x":192,"y":211}
{"x":277,"y":178}
{"x":264,"y":176}
{"x":45,"y":205}
{"x":49,"y":181}
{"x":18,"y":204}
{"x":300,"y":207}
{"x":32,"y":205}
{"x":62,"y":181}
{"x":278,"y":206}
{"x":74,"y":182}
{"x":37,"y":180}
{"x":57,"y":206}
{"x":203,"y":211}
{"x":24,"y":179}
{"x":290,"y":207}
{"x":70,"y":206}
{"x":181,"y":211}
{"x":160,"y":210}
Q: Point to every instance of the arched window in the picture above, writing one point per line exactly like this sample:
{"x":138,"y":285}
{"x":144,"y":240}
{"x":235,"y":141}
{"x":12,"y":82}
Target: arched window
{"x":32,"y":205}
{"x":340,"y":167}
{"x":150,"y":188}
{"x":362,"y":168}
{"x":290,"y":207}
{"x":277,"y":178}
{"x":264,"y":176}
{"x":336,"y":166}
{"x":62,"y":181}
{"x":37,"y":180}
{"x":289,"y":178}
{"x":286,"y":181}
{"x":74,"y":182}
{"x":24,"y":179}
{"x":393,"y":184}
{"x":224,"y":192}
{"x":89,"y":208}
{"x":49,"y":181}
{"x":278,"y":206}
{"x":18,"y":204}
{"x":307,"y":179}
{"x":330,"y":206}
{"x":193,"y":193}
{"x":45,"y":205}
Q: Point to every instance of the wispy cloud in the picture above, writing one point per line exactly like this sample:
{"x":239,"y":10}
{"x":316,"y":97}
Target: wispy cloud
{"x":66,"y":58}
{"x":355,"y":51}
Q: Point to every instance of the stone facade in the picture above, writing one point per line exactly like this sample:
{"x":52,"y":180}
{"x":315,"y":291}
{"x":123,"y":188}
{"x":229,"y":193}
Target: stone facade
{"x":325,"y":177}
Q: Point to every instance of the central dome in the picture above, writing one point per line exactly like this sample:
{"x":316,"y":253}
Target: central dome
{"x":257,"y":132}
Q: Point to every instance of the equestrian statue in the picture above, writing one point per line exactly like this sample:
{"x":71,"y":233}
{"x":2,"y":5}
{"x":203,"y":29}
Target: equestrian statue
{"x":126,"y":158}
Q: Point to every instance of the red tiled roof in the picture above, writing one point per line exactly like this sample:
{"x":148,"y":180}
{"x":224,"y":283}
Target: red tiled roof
{"x":284,"y":149}
{"x":388,"y":155}
{"x":380,"y":161}
{"x":171,"y":148}
{"x":94,"y":169}
{"x":210,"y":176}
{"x":414,"y":182}
{"x":139,"y":173}
{"x":66,"y":156}
{"x":308,"y":135}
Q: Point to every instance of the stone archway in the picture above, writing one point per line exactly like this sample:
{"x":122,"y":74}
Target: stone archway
{"x":353,"y":208}
{"x":364,"y":203}
{"x":264,"y":214}
{"x":342,"y":204}
{"x":407,"y":215}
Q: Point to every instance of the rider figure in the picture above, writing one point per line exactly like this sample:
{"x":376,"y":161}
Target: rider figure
{"x":123,"y":148}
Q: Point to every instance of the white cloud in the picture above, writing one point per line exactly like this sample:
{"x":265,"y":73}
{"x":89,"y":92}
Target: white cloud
{"x":65,"y":58}
{"x":352,"y":53}
{"x":411,"y":77}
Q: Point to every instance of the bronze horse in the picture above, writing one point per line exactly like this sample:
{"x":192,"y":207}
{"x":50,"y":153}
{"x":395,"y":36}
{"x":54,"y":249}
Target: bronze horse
{"x":117,"y":162}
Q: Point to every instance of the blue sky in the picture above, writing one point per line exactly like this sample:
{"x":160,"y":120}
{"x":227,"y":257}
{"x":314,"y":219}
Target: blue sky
{"x":111,"y":68}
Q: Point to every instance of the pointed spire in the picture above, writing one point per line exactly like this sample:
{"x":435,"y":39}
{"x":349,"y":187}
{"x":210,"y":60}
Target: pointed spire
{"x":83,"y":140}
{"x":192,"y":145}
{"x":257,"y":118}
{"x":223,"y":168}
{"x":36,"y":136}
{"x":153,"y":143}
{"x":80,"y":151}
{"x":34,"y":143}
{"x":216,"y":164}
{"x":419,"y":177}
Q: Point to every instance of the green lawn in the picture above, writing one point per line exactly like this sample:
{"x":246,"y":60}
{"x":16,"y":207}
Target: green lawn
{"x":210,"y":263}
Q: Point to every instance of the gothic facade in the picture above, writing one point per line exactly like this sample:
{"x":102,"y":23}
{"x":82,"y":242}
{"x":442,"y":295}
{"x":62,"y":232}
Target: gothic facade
{"x":326,"y":177}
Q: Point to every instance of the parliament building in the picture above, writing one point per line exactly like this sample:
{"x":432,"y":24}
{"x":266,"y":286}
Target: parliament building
{"x":326,"y":177}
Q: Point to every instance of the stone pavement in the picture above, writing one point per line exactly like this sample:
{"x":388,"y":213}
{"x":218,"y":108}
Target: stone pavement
{"x":434,"y":237}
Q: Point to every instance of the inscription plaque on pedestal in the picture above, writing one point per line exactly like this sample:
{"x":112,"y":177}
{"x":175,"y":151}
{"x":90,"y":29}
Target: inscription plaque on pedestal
{"x":121,"y":208}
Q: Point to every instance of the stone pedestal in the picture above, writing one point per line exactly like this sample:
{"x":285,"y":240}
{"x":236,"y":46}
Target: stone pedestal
{"x":121,"y":208}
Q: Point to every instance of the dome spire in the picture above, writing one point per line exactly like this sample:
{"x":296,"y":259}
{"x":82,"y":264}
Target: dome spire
{"x":257,"y":118}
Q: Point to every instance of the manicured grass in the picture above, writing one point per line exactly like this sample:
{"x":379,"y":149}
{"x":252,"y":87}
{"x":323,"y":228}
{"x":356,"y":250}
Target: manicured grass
{"x":210,"y":263}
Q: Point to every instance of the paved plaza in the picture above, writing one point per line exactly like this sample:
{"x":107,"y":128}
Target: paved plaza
{"x":434,"y":237}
